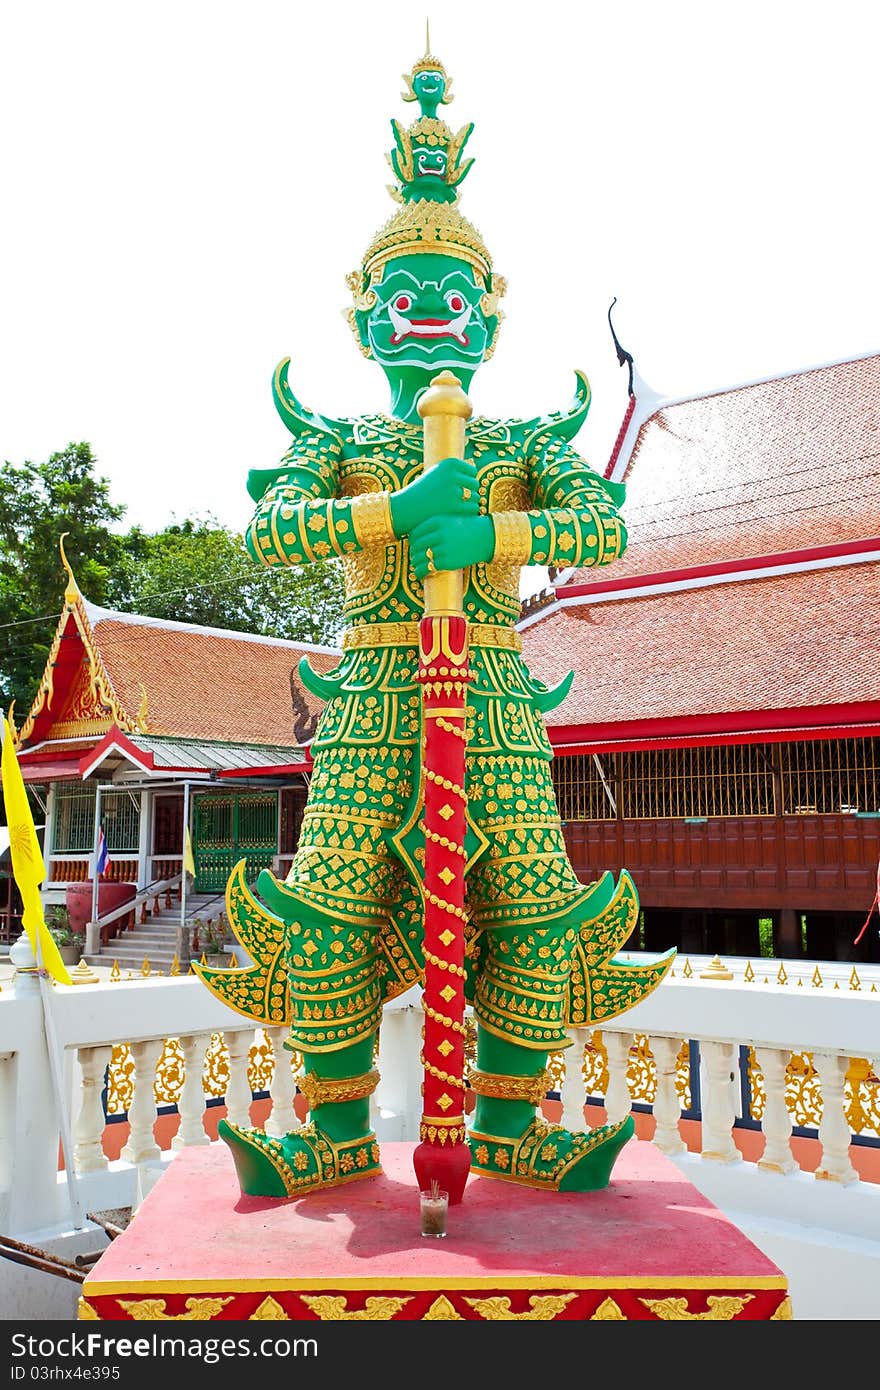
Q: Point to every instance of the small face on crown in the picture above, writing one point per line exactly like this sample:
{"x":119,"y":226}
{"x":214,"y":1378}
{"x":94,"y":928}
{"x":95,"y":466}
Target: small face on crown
{"x":429,"y":85}
{"x":429,"y":311}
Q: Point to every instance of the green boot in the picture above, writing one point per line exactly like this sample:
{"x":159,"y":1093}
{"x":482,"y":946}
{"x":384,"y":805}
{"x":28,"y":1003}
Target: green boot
{"x":508,"y":1140}
{"x":337,"y":1145}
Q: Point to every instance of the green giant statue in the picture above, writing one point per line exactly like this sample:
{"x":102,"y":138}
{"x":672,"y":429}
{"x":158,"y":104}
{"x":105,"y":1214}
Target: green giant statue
{"x":345,"y":930}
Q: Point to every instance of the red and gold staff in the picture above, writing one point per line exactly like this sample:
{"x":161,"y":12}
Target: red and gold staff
{"x":442,"y":1156}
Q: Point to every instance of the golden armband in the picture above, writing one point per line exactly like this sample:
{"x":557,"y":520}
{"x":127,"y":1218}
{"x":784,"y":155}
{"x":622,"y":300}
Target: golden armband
{"x":321,"y":1090}
{"x":530,"y":1088}
{"x":371,"y":517}
{"x":513,"y":538}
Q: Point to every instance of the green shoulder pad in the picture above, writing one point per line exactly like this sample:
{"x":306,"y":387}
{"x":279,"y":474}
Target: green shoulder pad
{"x":296,"y":416}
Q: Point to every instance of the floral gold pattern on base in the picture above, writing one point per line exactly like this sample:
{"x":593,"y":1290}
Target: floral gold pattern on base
{"x":507,"y":1301}
{"x":334,"y":1309}
{"x":542,"y":1308}
{"x":153,"y":1309}
{"x":718,"y":1309}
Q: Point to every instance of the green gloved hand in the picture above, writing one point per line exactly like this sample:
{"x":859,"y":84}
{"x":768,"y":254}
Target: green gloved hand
{"x":453,"y":542}
{"x":447,"y":489}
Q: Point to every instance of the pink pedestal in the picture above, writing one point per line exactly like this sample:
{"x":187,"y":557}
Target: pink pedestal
{"x":647,"y":1247}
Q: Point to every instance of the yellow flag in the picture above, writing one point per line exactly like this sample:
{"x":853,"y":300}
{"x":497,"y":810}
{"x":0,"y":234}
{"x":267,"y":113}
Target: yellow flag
{"x":189,"y":863}
{"x":28,"y":868}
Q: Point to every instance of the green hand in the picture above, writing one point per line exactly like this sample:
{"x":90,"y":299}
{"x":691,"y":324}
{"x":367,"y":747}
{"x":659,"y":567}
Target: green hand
{"x":449,"y":488}
{"x":454,"y":543}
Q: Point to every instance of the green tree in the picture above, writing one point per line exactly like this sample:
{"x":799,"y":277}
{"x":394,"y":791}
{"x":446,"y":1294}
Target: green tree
{"x":199,"y":572}
{"x":195,"y":571}
{"x":39,"y":502}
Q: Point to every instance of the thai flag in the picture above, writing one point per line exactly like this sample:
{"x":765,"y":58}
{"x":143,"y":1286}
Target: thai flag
{"x":103,"y":858}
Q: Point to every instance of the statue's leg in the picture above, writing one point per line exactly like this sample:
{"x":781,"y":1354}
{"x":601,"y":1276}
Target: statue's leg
{"x":520,"y":1008}
{"x":534,"y":941}
{"x":335,"y":1010}
{"x":336,"y":1146}
{"x":349,"y":934}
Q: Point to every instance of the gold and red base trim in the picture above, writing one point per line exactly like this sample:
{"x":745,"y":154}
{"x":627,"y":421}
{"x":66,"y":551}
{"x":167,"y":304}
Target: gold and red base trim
{"x":500,"y":1302}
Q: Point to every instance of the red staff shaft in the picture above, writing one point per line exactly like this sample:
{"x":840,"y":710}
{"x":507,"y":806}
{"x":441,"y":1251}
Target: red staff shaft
{"x":442,"y":1155}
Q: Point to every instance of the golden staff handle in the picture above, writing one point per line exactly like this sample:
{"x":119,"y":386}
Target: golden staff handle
{"x":445,"y":410}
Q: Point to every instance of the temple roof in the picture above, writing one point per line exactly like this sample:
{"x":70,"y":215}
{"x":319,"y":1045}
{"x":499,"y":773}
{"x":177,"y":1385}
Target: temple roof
{"x":747,"y":602}
{"x":780,"y":644}
{"x":151,"y":676}
{"x":775,"y":465}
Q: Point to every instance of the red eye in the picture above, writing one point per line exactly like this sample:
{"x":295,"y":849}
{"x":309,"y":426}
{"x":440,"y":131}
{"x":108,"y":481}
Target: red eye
{"x":402,"y":303}
{"x":456,"y":303}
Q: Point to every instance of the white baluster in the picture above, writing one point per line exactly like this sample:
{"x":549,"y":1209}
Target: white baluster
{"x":142,"y":1112}
{"x":719,"y":1073}
{"x":777,"y":1156}
{"x":834,"y":1131}
{"x":571,"y":1092}
{"x":282,"y":1087}
{"x":239,"y":1096}
{"x":667,"y":1106}
{"x":88,"y":1154}
{"x":617,"y":1099}
{"x":191,"y":1105}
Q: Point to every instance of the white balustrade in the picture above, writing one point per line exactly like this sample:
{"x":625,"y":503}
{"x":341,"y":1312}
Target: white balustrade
{"x":191,"y":1104}
{"x":617,"y":1099}
{"x":775,"y":1019}
{"x":834,"y":1135}
{"x":776,"y":1124}
{"x":88,"y":1152}
{"x":239,"y":1096}
{"x":143,"y":1111}
{"x":282,"y":1088}
{"x":571,"y":1092}
{"x":719,"y":1069}
{"x":667,"y":1106}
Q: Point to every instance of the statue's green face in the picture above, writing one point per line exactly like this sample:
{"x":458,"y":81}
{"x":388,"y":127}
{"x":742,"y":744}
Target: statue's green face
{"x":427,"y":314}
{"x":429,"y":87}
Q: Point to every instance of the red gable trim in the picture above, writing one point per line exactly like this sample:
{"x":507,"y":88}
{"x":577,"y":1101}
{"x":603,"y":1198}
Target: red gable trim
{"x":865,"y":546}
{"x":858,"y":720}
{"x":114,"y":741}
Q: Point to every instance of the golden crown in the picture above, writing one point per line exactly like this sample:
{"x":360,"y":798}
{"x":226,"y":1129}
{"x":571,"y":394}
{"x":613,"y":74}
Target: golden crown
{"x":426,"y":226}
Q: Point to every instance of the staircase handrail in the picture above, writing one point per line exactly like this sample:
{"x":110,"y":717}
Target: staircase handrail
{"x":152,"y":890}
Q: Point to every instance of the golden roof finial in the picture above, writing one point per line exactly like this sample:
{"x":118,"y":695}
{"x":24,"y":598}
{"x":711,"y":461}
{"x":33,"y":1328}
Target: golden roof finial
{"x":143,"y":712}
{"x":72,"y":591}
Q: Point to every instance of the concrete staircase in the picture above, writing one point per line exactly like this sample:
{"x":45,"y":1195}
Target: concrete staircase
{"x":155,"y":940}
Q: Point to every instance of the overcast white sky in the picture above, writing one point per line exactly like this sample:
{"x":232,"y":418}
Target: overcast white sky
{"x":186,"y":184}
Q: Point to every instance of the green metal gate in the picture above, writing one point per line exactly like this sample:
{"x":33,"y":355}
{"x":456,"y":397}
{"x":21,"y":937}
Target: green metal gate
{"x":229,"y":826}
